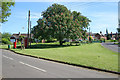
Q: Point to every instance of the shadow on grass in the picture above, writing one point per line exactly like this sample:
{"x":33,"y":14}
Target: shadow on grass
{"x":43,"y":46}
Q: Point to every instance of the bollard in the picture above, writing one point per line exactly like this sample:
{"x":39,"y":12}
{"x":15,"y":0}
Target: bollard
{"x":8,"y":46}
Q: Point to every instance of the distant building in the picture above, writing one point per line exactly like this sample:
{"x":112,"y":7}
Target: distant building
{"x":100,"y":35}
{"x":23,"y":34}
{"x":113,"y":35}
{"x":94,"y":35}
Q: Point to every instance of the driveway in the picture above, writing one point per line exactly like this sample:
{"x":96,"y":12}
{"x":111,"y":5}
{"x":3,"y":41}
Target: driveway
{"x":111,"y":46}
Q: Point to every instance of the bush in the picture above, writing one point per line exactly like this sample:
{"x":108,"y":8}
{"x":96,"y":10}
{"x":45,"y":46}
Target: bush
{"x":113,"y":40}
{"x":90,"y":39}
{"x":102,"y":40}
{"x":87,"y":42}
{"x":18,"y":43}
{"x":6,"y":41}
{"x":95,"y":39}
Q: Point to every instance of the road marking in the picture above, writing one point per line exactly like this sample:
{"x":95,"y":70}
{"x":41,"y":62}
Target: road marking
{"x":8,"y":57}
{"x":33,"y":66}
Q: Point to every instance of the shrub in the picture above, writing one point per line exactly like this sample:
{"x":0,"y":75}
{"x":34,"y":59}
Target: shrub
{"x":113,"y":40}
{"x":18,"y":43}
{"x":90,"y":39}
{"x":102,"y":40}
{"x":95,"y":39}
{"x":6,"y":41}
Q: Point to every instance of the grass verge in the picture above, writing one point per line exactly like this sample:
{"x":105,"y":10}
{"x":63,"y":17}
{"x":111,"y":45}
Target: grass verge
{"x":92,"y":55}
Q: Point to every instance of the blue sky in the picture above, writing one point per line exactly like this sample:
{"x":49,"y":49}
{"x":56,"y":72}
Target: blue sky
{"x":102,"y":14}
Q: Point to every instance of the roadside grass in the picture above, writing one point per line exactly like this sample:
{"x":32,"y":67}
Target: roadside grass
{"x":107,"y":40}
{"x":4,"y":46}
{"x":111,"y":41}
{"x":92,"y":55}
{"x":116,"y":43}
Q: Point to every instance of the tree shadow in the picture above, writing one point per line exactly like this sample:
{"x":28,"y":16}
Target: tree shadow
{"x":44,"y":46}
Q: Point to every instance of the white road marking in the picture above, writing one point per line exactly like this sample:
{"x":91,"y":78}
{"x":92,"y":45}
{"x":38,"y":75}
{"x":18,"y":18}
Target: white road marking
{"x":33,"y":66}
{"x":8,"y":57}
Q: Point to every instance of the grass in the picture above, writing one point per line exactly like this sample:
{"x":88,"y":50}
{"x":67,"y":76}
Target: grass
{"x":92,"y":55}
{"x":4,"y":46}
{"x":110,"y":41}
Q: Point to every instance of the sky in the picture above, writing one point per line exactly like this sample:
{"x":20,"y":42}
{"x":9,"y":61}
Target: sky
{"x":104,"y":15}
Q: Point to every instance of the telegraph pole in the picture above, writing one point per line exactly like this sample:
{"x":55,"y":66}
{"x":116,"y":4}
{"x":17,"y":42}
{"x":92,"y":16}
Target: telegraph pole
{"x":30,"y":33}
{"x":28,"y":28}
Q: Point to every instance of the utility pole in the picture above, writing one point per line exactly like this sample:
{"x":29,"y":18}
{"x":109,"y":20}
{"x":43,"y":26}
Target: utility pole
{"x":30,"y":33}
{"x":28,"y":28}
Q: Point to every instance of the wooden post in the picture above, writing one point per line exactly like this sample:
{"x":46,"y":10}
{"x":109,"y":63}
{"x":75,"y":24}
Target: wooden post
{"x":28,"y":28}
{"x":30,"y":33}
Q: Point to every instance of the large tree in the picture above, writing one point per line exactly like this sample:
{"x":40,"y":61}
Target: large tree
{"x":5,"y":9}
{"x":58,"y":22}
{"x":80,"y":25}
{"x":6,"y":35}
{"x":6,"y":38}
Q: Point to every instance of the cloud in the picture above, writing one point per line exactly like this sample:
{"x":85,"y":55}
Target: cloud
{"x":35,"y":15}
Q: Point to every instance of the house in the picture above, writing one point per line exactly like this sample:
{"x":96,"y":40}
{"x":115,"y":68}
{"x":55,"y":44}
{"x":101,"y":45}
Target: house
{"x":23,"y":34}
{"x":94,"y":35}
{"x":97,"y":35}
{"x":113,"y":35}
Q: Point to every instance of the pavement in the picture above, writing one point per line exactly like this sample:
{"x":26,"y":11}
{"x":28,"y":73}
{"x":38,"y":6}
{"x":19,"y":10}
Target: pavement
{"x":111,"y":46}
{"x":19,"y":66}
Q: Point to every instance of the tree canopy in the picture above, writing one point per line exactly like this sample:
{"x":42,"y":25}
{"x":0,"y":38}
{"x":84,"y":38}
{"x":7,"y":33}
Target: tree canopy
{"x":5,"y":38}
{"x":5,"y":9}
{"x":58,"y":22}
{"x":6,"y":35}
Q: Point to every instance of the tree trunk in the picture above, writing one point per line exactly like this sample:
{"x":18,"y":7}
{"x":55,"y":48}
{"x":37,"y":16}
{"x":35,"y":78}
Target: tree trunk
{"x":61,"y":43}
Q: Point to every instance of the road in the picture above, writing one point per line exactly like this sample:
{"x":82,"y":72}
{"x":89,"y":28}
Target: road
{"x":111,"y":46}
{"x":19,"y":66}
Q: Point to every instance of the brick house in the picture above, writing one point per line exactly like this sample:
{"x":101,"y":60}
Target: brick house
{"x":21,"y":34}
{"x":96,"y":36}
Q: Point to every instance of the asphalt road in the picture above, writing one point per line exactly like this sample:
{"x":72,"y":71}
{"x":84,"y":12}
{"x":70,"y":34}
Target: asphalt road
{"x":111,"y":46}
{"x":19,"y":66}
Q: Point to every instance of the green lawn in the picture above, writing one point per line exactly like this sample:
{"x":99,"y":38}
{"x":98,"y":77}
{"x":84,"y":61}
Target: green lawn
{"x":4,"y":46}
{"x":93,"y":55}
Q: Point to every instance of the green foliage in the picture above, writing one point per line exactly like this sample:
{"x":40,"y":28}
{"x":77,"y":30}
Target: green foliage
{"x":18,"y":43}
{"x":102,"y":40}
{"x":21,"y":38}
{"x":6,"y":35}
{"x":95,"y":39}
{"x":90,"y":39}
{"x":108,"y":36}
{"x":6,"y":38}
{"x":6,"y":41}
{"x":80,"y":24}
{"x":5,"y":10}
{"x":113,"y":40}
{"x":58,"y":22}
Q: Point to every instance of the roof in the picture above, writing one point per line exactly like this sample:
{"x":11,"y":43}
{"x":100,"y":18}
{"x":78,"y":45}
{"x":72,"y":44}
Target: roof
{"x":19,"y":34}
